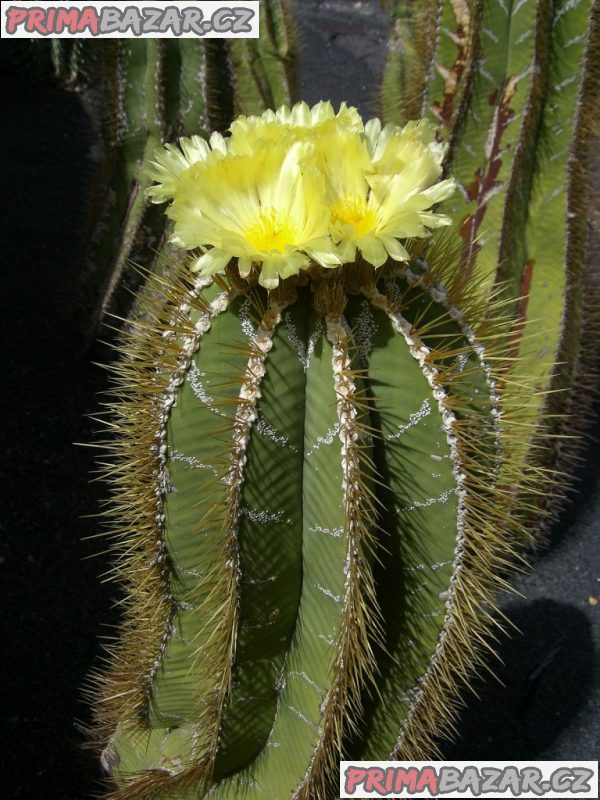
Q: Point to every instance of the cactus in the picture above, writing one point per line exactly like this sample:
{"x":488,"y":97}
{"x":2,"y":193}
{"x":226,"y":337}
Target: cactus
{"x":120,"y":219}
{"x":513,"y":86}
{"x":331,"y":433}
{"x":264,"y":74}
{"x":313,"y":486}
{"x":140,"y":94}
{"x":60,"y":61}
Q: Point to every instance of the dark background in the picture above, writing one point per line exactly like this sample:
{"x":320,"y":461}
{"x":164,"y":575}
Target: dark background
{"x":56,"y":607}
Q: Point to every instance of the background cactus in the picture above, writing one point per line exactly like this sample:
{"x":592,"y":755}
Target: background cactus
{"x":60,"y":61}
{"x":514,"y":87}
{"x":140,"y":94}
{"x":192,"y":86}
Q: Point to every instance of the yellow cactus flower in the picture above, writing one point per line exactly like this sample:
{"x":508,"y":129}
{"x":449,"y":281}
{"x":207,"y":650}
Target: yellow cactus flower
{"x":392,"y":148}
{"x":172,"y":160}
{"x":298,"y":123}
{"x":371,"y":211}
{"x":302,"y":186}
{"x":266,"y":209}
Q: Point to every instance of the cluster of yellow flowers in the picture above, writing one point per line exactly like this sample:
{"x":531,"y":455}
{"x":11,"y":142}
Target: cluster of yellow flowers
{"x":301,"y":186}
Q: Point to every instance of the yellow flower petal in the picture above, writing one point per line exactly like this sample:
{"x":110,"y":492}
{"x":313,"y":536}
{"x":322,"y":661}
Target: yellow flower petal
{"x":244,"y":266}
{"x":212,"y":261}
{"x":299,"y":123}
{"x":346,"y":250}
{"x":170,"y":162}
{"x":395,"y":250}
{"x":372,"y":250}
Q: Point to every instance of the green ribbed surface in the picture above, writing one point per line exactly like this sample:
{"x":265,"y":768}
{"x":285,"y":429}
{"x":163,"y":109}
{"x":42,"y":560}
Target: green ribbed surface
{"x":421,"y":509}
{"x":293,"y":533}
{"x":306,"y":674}
{"x":198,"y":432}
{"x":270,"y":544}
{"x":418,"y":524}
{"x":483,"y":155}
{"x":546,"y":239}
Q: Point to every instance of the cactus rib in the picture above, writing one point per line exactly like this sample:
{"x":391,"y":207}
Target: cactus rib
{"x":410,"y":47}
{"x":575,"y":381}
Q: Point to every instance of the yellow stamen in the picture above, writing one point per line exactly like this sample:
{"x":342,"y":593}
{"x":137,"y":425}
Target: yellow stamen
{"x":353,"y":211}
{"x":270,"y":232}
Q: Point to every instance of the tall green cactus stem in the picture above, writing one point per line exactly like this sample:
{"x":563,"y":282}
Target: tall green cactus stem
{"x":264,"y":69}
{"x":578,"y":362}
{"x":518,"y":150}
{"x":434,"y":49}
{"x":490,"y":132}
{"x":306,"y":504}
{"x":139,"y":95}
{"x":410,"y":52}
{"x":120,"y":214}
{"x":482,"y":60}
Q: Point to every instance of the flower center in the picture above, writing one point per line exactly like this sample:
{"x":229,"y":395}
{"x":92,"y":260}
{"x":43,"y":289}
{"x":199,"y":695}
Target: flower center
{"x":353,"y":211}
{"x":271,"y":231}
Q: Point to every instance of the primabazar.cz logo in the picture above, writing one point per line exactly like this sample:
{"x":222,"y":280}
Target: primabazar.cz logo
{"x":438,"y":780}
{"x":127,"y":20}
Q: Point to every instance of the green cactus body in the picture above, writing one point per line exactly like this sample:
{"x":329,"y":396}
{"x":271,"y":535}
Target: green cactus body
{"x":533,"y":267}
{"x":409,"y":63}
{"x":517,"y":122}
{"x":263,"y":69}
{"x":322,"y":514}
{"x":191,"y":81}
{"x":483,"y":154}
{"x":479,"y":94}
{"x":572,"y":108}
